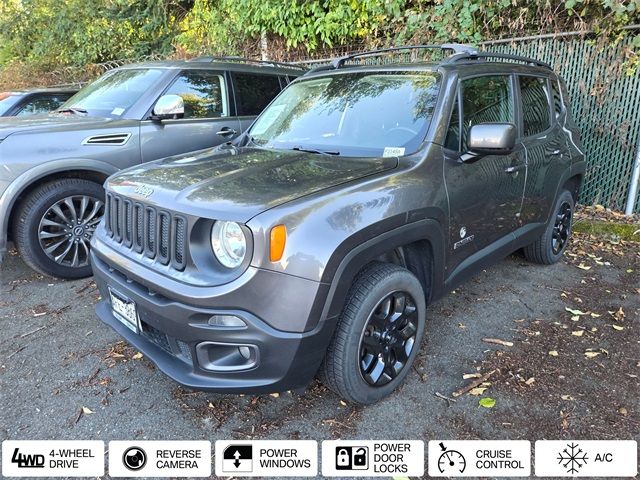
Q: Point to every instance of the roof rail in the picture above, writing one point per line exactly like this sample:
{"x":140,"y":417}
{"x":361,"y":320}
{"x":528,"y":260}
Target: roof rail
{"x":456,"y":47}
{"x":245,"y":60}
{"x":501,"y":56}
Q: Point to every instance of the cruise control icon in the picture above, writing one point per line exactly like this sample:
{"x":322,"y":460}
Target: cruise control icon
{"x":451,"y":461}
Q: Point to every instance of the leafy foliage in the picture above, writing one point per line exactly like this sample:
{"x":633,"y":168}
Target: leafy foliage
{"x":55,"y":33}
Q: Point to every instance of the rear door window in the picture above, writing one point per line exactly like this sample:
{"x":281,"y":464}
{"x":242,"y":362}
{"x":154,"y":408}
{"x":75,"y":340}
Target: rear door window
{"x":254,"y":92}
{"x":487,"y":99}
{"x":536,"y":113}
{"x":203,"y":93}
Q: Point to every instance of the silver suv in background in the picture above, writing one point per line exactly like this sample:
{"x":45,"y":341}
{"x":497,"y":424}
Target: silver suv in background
{"x":23,"y":103}
{"x":53,"y":166}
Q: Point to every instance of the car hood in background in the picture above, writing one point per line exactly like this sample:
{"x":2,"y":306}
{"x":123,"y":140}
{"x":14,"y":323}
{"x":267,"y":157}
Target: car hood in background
{"x":48,"y":121}
{"x":237,"y":184}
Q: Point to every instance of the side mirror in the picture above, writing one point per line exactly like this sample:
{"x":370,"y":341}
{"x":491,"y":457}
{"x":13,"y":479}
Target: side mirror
{"x":492,"y":138}
{"x":168,"y":107}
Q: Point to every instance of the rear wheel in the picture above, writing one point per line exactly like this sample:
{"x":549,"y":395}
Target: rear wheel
{"x":551,"y":245}
{"x":54,"y":225}
{"x":378,"y":334}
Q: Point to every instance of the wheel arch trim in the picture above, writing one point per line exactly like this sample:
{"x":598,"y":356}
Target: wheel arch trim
{"x":365,"y":252}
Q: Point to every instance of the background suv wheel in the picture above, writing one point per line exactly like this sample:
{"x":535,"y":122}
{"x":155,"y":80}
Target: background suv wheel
{"x":378,"y":334}
{"x":551,"y":245}
{"x":54,"y":225}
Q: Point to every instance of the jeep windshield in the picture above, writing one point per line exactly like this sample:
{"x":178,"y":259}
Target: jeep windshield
{"x":364,"y":114}
{"x":113,"y":94}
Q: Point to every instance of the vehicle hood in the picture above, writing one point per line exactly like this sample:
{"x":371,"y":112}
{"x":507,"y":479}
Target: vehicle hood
{"x":239,"y":183}
{"x":48,"y":121}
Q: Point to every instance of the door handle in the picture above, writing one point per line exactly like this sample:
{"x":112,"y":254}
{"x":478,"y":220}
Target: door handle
{"x":515,"y":168}
{"x":226,"y":132}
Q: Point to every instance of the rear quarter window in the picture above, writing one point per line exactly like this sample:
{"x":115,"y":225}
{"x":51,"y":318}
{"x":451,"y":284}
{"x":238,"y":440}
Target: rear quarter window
{"x":536,"y":112}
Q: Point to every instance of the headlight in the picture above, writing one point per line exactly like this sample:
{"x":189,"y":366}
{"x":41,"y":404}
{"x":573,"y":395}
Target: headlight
{"x":229,"y":243}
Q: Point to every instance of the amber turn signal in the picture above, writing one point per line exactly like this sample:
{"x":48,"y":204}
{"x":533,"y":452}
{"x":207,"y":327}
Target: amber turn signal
{"x":278,"y":241}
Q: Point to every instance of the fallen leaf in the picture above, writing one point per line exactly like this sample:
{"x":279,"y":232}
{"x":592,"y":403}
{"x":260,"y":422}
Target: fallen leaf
{"x":595,"y":315}
{"x":582,"y":266}
{"x":467,"y":376}
{"x":619,"y":315}
{"x":553,"y":353}
{"x":275,"y":395}
{"x":575,"y":318}
{"x":343,"y":403}
{"x":530,"y":381}
{"x":567,"y":397}
{"x":487,"y":402}
{"x":577,"y":333}
{"x":591,"y":354}
{"x":497,"y":341}
{"x":622,"y":411}
{"x":477,"y":391}
{"x":137,"y":356}
{"x":575,"y":312}
{"x":617,"y":327}
{"x":87,"y":411}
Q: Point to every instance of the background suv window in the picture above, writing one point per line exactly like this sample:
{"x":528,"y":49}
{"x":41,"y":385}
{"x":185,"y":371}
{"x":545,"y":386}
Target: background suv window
{"x":42,"y":104}
{"x":536,"y":116}
{"x":486,"y":100}
{"x":202,"y":93}
{"x":254,"y":92}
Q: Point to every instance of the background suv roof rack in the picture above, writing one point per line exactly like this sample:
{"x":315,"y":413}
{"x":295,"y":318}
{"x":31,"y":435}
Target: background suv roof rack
{"x":458,"y":49}
{"x":501,"y":56}
{"x":245,"y":60}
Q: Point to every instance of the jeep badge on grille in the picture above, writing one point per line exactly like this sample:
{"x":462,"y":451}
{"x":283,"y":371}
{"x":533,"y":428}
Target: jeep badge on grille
{"x":143,"y":190}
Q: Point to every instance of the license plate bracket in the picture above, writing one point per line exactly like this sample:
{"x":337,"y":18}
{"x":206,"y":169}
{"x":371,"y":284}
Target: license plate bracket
{"x":125,"y":310}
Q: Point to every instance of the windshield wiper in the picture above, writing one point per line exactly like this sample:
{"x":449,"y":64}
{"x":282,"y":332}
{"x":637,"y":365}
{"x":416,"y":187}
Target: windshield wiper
{"x":75,"y":110}
{"x":313,"y":150}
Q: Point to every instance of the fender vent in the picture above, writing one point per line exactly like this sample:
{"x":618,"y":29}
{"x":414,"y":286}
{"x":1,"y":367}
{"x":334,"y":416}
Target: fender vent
{"x":114,"y":139}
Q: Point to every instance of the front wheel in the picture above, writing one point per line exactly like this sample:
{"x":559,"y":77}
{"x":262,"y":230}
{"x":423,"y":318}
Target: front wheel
{"x":54,"y":225}
{"x":551,"y":245}
{"x":378,"y":334}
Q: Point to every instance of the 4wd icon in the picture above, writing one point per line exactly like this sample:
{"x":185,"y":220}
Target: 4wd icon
{"x":238,"y":458}
{"x":27,"y":461}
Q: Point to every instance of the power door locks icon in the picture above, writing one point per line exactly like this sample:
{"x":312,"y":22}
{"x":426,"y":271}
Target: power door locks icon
{"x":352,"y":458}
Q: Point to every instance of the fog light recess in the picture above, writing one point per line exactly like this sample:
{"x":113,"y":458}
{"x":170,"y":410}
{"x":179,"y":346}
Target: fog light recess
{"x":226,"y":357}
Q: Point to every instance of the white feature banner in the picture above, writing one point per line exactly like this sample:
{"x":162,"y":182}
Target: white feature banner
{"x":372,"y":458}
{"x":150,"y":458}
{"x":586,"y":458}
{"x":479,"y":458}
{"x":266,"y":458}
{"x":52,"y":458}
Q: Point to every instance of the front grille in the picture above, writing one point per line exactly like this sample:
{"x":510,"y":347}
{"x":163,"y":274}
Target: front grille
{"x":157,"y":234}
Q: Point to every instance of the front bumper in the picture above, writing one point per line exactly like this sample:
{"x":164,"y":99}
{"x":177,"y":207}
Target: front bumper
{"x":174,"y":334}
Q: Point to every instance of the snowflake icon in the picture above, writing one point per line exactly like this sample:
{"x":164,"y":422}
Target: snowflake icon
{"x":572,"y":458}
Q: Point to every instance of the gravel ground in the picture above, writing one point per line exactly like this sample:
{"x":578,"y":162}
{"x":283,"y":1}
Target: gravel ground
{"x":549,"y":381}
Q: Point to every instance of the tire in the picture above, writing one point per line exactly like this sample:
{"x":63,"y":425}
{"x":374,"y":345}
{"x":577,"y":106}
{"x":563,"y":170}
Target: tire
{"x":550,"y":247}
{"x":38,"y":226}
{"x":348,"y":360}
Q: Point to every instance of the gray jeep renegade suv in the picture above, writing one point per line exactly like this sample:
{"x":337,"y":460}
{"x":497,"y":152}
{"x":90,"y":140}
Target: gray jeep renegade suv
{"x":315,"y":242}
{"x":52,"y":166}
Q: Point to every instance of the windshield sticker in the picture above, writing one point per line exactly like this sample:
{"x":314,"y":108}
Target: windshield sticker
{"x":393,"y":151}
{"x":117,"y":111}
